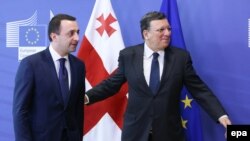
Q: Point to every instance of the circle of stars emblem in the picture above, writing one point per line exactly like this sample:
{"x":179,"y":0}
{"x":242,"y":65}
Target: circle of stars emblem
{"x":28,"y":34}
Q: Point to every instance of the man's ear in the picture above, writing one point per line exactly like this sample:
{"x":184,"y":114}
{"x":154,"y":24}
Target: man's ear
{"x":53,"y":36}
{"x":145,"y":34}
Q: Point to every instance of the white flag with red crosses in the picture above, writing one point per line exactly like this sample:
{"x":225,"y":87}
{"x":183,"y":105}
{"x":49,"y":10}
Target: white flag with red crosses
{"x":99,"y":50}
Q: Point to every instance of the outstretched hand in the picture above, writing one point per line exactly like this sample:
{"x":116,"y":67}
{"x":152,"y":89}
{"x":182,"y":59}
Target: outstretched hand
{"x":224,"y":121}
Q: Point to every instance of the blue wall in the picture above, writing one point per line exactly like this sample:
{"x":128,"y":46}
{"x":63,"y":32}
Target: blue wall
{"x":216,"y":33}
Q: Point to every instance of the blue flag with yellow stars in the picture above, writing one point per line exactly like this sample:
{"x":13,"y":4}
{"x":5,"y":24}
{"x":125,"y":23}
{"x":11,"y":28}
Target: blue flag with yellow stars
{"x":31,"y":36}
{"x":190,"y":113}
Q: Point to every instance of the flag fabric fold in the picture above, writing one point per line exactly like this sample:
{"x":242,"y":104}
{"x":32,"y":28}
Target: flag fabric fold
{"x":99,"y":50}
{"x":189,"y":108}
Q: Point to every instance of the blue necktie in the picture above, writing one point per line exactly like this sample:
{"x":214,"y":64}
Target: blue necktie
{"x":155,"y":74}
{"x":63,"y":79}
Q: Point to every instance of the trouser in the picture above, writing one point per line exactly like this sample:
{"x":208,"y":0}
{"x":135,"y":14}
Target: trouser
{"x":64,"y":135}
{"x":150,"y":137}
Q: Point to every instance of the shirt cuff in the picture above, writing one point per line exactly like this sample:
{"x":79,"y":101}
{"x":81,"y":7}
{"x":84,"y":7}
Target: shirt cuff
{"x":86,"y":99}
{"x":224,"y":116}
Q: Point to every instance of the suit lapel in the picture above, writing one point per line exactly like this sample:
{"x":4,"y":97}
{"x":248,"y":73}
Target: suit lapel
{"x":138,"y":66}
{"x":138,"y":61}
{"x":51,"y":67}
{"x":169,"y":61}
{"x":73,"y":74}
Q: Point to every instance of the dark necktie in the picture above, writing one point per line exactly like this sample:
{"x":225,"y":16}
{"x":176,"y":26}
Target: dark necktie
{"x":155,"y":74}
{"x":63,"y":79}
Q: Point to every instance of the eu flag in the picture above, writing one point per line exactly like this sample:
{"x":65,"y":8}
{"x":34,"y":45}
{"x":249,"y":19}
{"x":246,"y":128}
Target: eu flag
{"x":190,"y":111}
{"x":32,"y":36}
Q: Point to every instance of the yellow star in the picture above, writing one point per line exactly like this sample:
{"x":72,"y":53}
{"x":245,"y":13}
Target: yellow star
{"x":184,"y":123}
{"x":187,"y":102}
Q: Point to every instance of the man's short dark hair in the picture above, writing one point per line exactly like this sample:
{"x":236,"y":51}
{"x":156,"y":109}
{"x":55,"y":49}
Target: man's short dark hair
{"x":148,"y":17}
{"x":55,"y":22}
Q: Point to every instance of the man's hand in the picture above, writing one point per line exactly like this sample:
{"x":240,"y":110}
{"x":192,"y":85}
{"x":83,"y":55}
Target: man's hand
{"x":224,"y":121}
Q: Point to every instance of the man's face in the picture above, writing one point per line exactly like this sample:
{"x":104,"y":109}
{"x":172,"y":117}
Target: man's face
{"x":157,"y":36}
{"x":68,"y":37}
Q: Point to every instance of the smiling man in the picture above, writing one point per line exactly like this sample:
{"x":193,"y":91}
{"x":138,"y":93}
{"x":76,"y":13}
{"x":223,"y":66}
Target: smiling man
{"x":155,"y":73}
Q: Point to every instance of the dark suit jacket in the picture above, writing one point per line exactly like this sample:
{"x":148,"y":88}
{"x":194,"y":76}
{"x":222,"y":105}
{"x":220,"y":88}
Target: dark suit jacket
{"x":161,"y":112}
{"x":39,"y":113}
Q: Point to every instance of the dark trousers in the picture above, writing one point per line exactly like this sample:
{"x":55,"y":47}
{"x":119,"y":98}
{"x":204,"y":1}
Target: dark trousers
{"x":150,"y":137}
{"x":64,"y":135}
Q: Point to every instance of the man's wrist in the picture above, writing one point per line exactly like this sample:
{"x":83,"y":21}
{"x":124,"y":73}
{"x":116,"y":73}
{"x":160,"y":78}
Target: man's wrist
{"x":223,"y":116}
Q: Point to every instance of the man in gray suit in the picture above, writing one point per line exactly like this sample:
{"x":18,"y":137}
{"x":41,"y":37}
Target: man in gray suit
{"x":153,"y":106}
{"x":48,"y":96}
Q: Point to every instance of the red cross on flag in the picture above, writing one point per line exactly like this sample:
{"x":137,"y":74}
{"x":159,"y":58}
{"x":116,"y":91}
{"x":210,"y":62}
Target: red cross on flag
{"x":99,"y":50}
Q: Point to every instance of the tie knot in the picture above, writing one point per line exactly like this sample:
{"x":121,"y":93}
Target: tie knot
{"x":155,"y":55}
{"x":62,"y":61}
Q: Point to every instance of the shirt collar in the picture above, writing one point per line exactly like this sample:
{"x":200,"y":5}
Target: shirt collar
{"x":55,"y":55}
{"x":149,"y":52}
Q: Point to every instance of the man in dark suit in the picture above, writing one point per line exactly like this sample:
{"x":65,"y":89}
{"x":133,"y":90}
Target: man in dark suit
{"x":44,"y":107}
{"x":153,"y":107}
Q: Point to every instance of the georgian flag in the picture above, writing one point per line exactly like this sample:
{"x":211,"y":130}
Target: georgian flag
{"x":99,"y":50}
